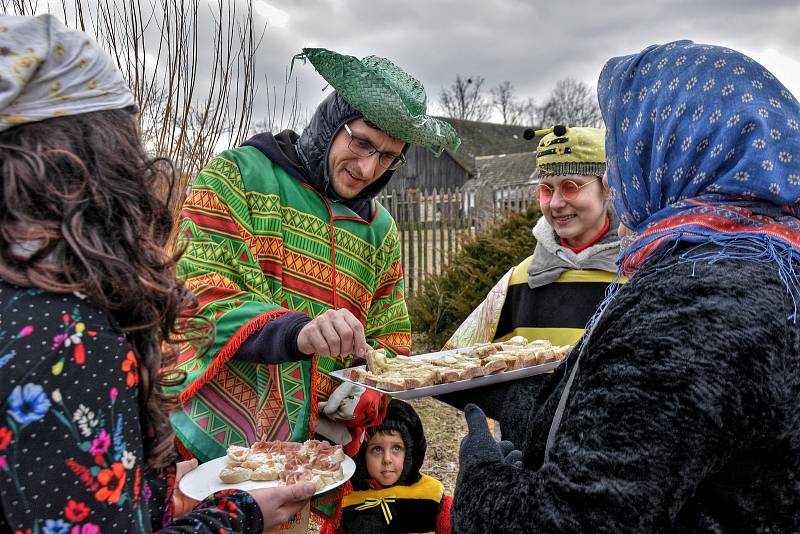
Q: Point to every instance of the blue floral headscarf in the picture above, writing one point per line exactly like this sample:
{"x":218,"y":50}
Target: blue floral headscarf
{"x":703,"y":145}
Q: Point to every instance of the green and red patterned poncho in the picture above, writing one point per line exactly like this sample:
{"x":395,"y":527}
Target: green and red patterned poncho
{"x":261,"y":242}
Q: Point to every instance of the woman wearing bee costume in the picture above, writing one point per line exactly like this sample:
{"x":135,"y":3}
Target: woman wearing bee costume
{"x":554,"y":292}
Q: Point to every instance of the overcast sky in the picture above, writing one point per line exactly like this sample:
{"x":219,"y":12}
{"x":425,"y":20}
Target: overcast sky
{"x":532,"y":43}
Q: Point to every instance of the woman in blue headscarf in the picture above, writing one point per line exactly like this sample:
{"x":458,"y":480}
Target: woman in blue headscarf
{"x":680,"y":410}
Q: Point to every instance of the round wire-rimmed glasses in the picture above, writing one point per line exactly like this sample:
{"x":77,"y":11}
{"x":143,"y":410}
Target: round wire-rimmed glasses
{"x":568,"y":189}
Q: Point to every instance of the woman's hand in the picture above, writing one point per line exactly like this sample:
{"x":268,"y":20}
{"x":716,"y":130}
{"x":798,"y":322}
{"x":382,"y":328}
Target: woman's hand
{"x":280,"y":503}
{"x":478,"y":445}
{"x":183,"y":503}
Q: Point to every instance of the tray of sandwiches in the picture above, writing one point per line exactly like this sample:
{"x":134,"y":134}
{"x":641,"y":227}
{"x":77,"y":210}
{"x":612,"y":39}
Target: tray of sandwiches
{"x":436,"y":373}
{"x":270,"y":464}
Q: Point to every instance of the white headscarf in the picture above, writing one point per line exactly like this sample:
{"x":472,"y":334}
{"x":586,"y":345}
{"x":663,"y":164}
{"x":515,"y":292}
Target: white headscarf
{"x":48,"y":70}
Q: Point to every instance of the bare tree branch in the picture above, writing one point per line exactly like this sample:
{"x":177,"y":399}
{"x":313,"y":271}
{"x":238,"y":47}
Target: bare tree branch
{"x":289,"y":114}
{"x":572,"y":103}
{"x":512,"y":111}
{"x":19,"y":7}
{"x":464,"y":99}
{"x":188,"y":108}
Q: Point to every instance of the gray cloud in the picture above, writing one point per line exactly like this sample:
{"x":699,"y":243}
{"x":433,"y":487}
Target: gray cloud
{"x":532,"y":44}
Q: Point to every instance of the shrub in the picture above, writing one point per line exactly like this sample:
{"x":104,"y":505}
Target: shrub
{"x":445,"y":300}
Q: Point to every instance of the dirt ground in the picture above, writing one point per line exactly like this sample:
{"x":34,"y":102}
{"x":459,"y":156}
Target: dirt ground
{"x":444,"y":428}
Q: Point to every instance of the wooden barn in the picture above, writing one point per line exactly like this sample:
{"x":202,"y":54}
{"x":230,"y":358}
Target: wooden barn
{"x":423,"y":171}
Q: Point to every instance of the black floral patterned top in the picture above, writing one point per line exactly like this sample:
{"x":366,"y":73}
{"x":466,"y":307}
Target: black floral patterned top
{"x":71,"y":441}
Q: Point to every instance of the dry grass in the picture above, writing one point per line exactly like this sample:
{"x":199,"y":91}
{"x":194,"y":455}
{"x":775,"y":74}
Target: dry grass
{"x":444,"y":429}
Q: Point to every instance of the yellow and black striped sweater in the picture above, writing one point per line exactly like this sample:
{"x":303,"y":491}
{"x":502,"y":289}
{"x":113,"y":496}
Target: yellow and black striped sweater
{"x":551,"y":295}
{"x":557,"y":311}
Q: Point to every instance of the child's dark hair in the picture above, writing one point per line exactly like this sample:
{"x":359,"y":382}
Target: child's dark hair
{"x":386,"y":431}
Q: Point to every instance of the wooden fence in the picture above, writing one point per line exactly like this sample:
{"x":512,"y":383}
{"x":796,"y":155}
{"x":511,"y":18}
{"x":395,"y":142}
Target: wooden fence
{"x":434,"y":224}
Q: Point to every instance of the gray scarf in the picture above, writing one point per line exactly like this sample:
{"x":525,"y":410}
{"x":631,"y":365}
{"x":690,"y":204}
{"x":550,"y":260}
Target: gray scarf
{"x":550,"y":258}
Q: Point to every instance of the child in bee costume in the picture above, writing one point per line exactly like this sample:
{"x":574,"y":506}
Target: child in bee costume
{"x":390,"y":494}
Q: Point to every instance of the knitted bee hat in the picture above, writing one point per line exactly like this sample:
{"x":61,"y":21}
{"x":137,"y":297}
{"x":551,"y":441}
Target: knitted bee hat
{"x":565,"y":151}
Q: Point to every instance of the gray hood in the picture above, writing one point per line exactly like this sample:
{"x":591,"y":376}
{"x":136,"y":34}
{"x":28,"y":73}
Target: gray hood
{"x":550,"y":258}
{"x":314,"y":143}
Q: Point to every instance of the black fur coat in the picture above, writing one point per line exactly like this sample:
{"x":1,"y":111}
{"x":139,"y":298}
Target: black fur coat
{"x":684,"y":416}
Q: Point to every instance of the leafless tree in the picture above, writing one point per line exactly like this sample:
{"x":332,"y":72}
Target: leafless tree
{"x":464,"y":99}
{"x":283,"y":109}
{"x":189,"y":106}
{"x":572,"y":103}
{"x":511,"y":109}
{"x":19,"y":7}
{"x":531,"y":115}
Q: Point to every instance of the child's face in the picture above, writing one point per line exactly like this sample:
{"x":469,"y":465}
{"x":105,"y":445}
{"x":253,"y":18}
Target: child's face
{"x":386,"y":454}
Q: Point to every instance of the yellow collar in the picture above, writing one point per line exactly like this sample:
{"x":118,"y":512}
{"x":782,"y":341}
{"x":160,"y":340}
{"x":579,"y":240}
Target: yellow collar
{"x":425,"y":488}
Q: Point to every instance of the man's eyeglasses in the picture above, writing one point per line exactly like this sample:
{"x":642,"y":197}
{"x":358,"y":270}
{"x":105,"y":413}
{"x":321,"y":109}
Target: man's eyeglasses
{"x":568,"y":189}
{"x":364,"y":149}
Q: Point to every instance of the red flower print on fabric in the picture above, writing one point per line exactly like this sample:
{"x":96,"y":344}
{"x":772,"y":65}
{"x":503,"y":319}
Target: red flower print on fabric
{"x":111,"y":481}
{"x":83,"y":473}
{"x":76,"y":511}
{"x":131,"y":366}
{"x":137,"y":481}
{"x":227,"y":506}
{"x":5,"y":437}
{"x":72,"y":335}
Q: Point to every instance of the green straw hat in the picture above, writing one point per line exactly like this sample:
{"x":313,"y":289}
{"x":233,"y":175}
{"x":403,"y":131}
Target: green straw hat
{"x":389,"y":98}
{"x":564,"y":151}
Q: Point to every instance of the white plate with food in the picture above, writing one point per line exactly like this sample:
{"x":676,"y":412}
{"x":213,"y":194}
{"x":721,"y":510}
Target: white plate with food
{"x":437,"y":373}
{"x":327,"y":471}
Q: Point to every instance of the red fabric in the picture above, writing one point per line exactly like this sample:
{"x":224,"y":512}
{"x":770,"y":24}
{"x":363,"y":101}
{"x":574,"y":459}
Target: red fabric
{"x":746,"y":222}
{"x":313,"y":414}
{"x":326,"y":528}
{"x":369,"y":412}
{"x":228,"y":351}
{"x":351,"y":448}
{"x":333,"y":523}
{"x":597,"y":238}
{"x":183,"y":452}
{"x":443,"y":519}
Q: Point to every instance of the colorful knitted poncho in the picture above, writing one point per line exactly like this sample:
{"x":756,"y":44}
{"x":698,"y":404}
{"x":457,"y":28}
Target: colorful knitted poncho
{"x":260,"y":243}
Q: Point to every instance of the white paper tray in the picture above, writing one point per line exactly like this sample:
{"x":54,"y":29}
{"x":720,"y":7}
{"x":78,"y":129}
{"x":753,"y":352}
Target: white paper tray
{"x":440,"y":389}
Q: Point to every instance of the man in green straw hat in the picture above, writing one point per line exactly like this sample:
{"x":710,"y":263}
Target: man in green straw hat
{"x":296,"y":264}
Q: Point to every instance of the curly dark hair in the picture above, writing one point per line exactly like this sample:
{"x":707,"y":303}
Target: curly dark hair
{"x":81,"y":194}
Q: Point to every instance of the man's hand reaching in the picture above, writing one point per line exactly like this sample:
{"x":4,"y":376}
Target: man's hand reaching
{"x":334,"y":333}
